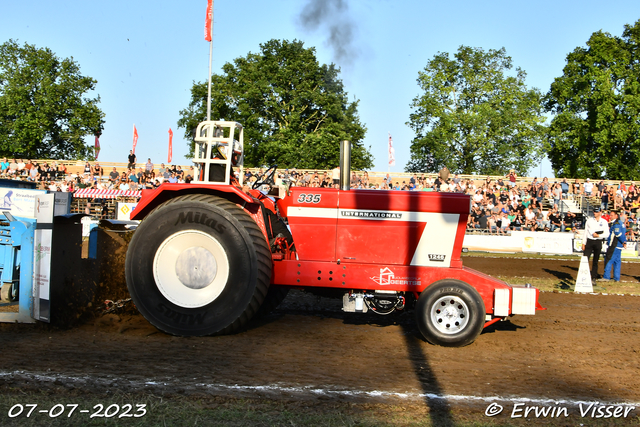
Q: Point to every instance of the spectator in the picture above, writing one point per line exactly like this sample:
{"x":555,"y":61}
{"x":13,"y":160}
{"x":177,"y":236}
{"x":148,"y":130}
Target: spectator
{"x":132,"y":159}
{"x":517,"y":222}
{"x":564,"y":185}
{"x":21,"y":167}
{"x":335,"y":175}
{"x":529,"y":219}
{"x":354,"y":179}
{"x":4,"y":167}
{"x":141,"y":176}
{"x":505,"y":223}
{"x":588,"y":188}
{"x":555,"y":222}
{"x":133,"y":177}
{"x":493,"y":224}
{"x":87,"y":169}
{"x":148,"y":168}
{"x":444,"y":174}
{"x":512,"y":176}
{"x":105,"y":211}
{"x":557,"y":194}
{"x":61,"y":170}
{"x":34,"y":172}
{"x":167,"y":173}
{"x":13,"y":168}
{"x":604,"y":198}
{"x":632,"y":227}
{"x":569,"y":221}
{"x":576,"y":188}
{"x":601,"y":188}
{"x":98,"y":171}
{"x":618,"y":200}
{"x":114,"y":176}
{"x":482,"y":220}
{"x":596,"y":231}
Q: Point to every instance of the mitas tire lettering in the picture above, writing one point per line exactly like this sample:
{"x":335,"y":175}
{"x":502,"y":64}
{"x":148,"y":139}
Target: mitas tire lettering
{"x":226,"y":241}
{"x":453,"y":321}
{"x":199,"y":218}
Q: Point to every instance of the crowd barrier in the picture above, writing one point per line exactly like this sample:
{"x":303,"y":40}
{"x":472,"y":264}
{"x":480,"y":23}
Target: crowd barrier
{"x":535,"y":242}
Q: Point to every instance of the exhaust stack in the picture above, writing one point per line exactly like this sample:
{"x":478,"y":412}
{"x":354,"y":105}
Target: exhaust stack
{"x":345,"y":165}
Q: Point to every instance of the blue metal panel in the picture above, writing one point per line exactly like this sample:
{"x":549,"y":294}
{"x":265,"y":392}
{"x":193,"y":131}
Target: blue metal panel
{"x":18,"y":251}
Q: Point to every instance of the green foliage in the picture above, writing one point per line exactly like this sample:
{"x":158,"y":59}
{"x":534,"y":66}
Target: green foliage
{"x":473,"y":117}
{"x":294,"y":111}
{"x":595,"y":131}
{"x":43,"y":113}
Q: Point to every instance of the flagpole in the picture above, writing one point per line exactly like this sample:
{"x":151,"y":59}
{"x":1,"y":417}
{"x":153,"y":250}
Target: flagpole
{"x":210,"y":56}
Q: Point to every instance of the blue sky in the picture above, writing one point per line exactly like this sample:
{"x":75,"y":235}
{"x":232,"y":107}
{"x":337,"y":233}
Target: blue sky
{"x":146,"y":55}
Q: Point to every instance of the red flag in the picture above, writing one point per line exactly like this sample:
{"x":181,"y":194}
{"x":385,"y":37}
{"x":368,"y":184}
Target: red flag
{"x":207,"y":21}
{"x":97,"y":147}
{"x":170,"y":145}
{"x":135,"y":138}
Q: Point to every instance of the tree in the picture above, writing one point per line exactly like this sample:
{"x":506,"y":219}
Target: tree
{"x":473,"y":117}
{"x":595,"y":131}
{"x":294,"y":111}
{"x":43,"y":111}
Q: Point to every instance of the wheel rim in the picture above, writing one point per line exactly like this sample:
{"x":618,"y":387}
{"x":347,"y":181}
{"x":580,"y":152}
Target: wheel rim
{"x":450,"y":314}
{"x":191,"y":269}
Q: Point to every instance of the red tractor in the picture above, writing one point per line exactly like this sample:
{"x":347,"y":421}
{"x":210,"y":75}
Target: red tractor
{"x":208,"y":256}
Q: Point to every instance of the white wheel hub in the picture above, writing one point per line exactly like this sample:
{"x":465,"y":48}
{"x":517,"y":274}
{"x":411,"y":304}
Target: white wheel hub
{"x":449,"y":314}
{"x":191,"y":269}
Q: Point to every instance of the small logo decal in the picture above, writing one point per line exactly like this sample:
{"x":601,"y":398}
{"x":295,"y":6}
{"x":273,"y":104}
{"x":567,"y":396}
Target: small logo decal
{"x":388,"y":277}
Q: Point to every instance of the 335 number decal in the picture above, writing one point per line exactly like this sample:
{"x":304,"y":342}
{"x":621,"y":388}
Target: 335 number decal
{"x":309,"y":198}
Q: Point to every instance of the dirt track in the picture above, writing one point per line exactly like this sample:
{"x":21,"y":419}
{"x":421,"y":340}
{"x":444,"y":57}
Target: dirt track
{"x":584,"y":347}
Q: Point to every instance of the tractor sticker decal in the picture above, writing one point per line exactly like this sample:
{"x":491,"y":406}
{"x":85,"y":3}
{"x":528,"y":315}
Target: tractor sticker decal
{"x":309,"y":198}
{"x":371,"y":214}
{"x":437,"y":257}
{"x":388,"y":277}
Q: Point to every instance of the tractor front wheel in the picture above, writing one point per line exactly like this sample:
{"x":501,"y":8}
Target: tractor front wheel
{"x":198,"y":265}
{"x":450,"y":313}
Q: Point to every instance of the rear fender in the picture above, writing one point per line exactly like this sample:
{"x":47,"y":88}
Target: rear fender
{"x":151,"y":199}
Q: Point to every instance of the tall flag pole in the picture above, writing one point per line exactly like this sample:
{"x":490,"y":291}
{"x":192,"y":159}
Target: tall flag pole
{"x":170,"y":146}
{"x":208,"y":36}
{"x":392,"y":154}
{"x":135,"y":138}
{"x":97,"y":150}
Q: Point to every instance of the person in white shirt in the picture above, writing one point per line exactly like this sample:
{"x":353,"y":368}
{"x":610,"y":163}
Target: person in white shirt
{"x":588,"y":187}
{"x":596,"y":231}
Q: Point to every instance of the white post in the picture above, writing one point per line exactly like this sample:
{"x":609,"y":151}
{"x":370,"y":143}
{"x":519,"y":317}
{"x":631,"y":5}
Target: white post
{"x":210,"y":56}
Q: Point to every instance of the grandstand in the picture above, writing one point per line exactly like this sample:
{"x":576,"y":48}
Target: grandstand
{"x":577,"y":203}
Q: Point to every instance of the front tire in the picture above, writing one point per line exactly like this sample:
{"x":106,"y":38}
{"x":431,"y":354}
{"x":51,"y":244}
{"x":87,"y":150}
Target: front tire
{"x":198,"y":265}
{"x":450,"y":313}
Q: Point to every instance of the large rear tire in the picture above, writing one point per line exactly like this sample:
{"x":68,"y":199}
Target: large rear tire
{"x":198,"y":265}
{"x":450,"y":313}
